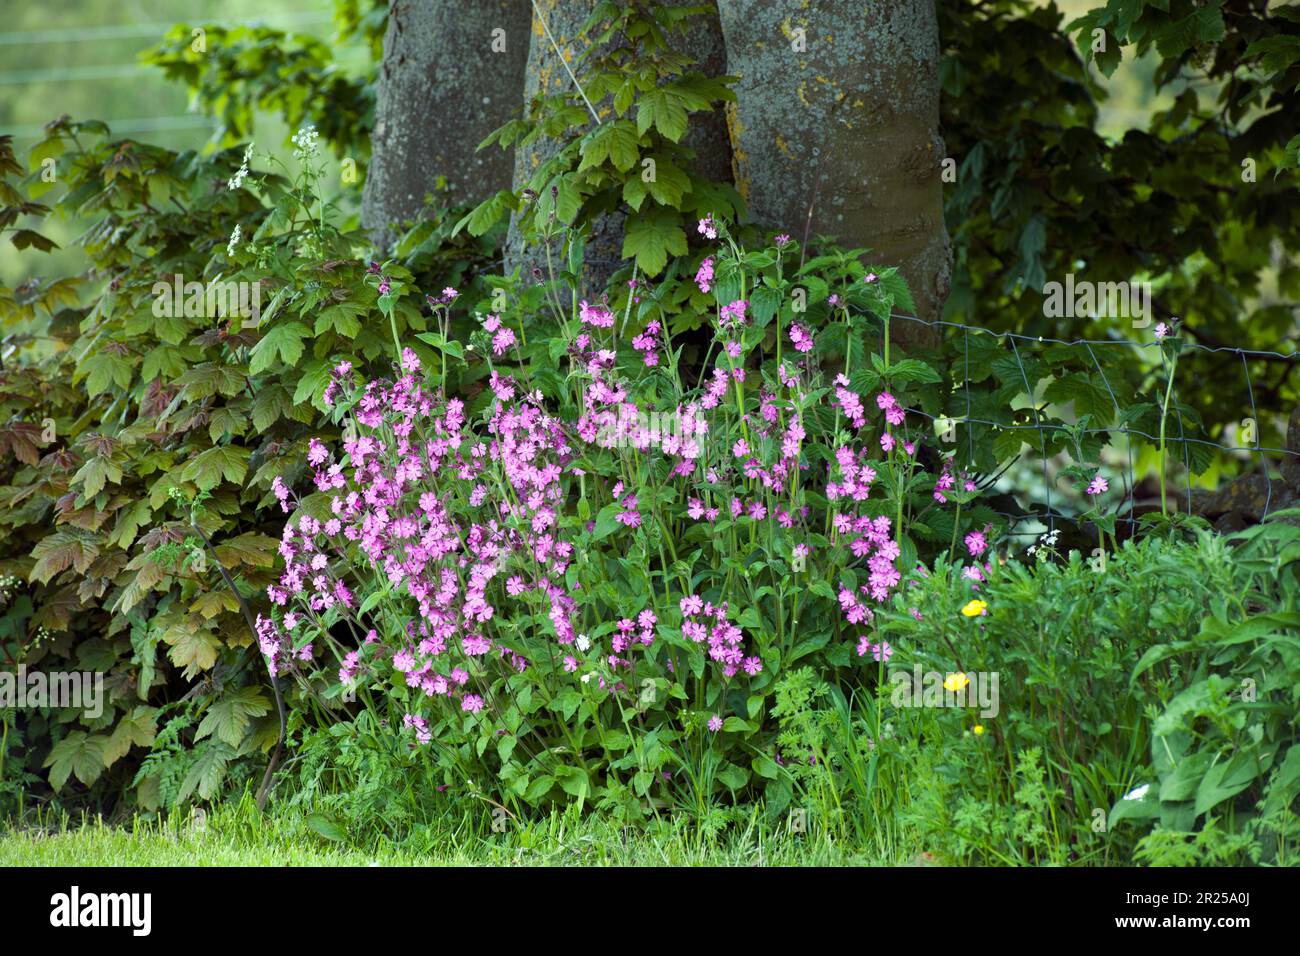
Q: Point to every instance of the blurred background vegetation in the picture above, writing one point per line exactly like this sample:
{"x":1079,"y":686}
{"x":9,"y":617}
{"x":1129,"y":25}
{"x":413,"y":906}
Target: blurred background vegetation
{"x":82,"y":58}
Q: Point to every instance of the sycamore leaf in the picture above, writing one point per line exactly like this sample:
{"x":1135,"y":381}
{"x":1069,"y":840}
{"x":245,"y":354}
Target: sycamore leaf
{"x":342,"y":317}
{"x":195,"y":649}
{"x":664,"y":109}
{"x":104,"y":369}
{"x":223,"y":461}
{"x":617,"y":142}
{"x":135,"y":729}
{"x":651,"y":237}
{"x":71,"y":548}
{"x":206,"y":380}
{"x":271,"y":403}
{"x":229,"y":717}
{"x":95,"y":473}
{"x":311,"y":386}
{"x":212,"y":603}
{"x":76,"y":754}
{"x":284,"y":340}
{"x":486,"y":214}
{"x":254,"y":550}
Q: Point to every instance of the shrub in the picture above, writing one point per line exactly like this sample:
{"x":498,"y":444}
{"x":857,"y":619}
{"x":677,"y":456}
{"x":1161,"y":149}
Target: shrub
{"x":1109,"y":673}
{"x":593,"y":592}
{"x":119,"y":413}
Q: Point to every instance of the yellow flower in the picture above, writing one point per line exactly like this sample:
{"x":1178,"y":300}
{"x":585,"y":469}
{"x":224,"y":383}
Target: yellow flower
{"x":975,"y":608}
{"x":978,"y":728}
{"x":955,"y":682}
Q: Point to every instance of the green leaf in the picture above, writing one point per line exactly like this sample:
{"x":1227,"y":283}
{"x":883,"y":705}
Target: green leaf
{"x":486,"y":214}
{"x":105,"y":369}
{"x":327,"y":827}
{"x":284,"y":340}
{"x":206,"y":773}
{"x":209,"y":467}
{"x":193,"y":649}
{"x":663,"y":109}
{"x":93,"y":475}
{"x":136,"y":729}
{"x":72,"y":548}
{"x":652,"y":236}
{"x":617,"y":142}
{"x":270,"y":404}
{"x":733,"y":777}
{"x":311,"y":386}
{"x":342,"y":317}
{"x":229,"y":717}
{"x":76,"y":754}
{"x":1230,"y":776}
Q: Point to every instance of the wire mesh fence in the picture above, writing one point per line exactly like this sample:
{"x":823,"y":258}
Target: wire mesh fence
{"x":1178,"y":441}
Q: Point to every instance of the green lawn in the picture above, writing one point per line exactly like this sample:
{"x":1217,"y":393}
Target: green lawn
{"x":240,"y":836}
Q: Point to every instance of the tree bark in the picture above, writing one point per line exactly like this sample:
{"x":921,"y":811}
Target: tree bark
{"x":445,"y":84}
{"x":545,"y":75}
{"x":836,"y":130}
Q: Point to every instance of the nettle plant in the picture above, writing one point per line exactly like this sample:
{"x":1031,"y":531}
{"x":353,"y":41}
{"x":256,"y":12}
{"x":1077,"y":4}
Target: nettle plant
{"x":592,"y":586}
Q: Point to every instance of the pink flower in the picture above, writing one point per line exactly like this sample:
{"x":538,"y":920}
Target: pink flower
{"x":976,"y":543}
{"x":1098,"y":485}
{"x":704,"y":277}
{"x":715,"y":723}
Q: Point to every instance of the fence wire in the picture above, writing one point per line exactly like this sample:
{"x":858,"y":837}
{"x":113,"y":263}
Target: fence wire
{"x":1259,"y":453}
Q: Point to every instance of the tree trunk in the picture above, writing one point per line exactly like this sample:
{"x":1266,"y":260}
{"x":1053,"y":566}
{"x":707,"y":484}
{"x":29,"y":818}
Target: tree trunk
{"x":836,"y":130}
{"x":546,"y":76}
{"x":447,"y":81}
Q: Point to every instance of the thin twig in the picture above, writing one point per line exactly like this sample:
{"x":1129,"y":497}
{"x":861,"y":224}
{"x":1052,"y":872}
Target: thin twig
{"x":565,"y":63}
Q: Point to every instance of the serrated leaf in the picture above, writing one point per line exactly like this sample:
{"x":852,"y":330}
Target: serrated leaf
{"x":206,"y":773}
{"x":652,"y":236}
{"x":193,"y":648}
{"x":208,"y":468}
{"x":77,"y":754}
{"x":62,"y":550}
{"x":230,"y":716}
{"x":284,"y":341}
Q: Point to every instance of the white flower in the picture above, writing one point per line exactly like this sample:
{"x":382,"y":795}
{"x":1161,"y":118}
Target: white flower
{"x":586,"y":678}
{"x":305,"y":139}
{"x":583,"y":642}
{"x":1137,"y":793}
{"x":238,"y":179}
{"x":234,"y":241}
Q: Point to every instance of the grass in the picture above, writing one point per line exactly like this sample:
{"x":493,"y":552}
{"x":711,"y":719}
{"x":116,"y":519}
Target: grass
{"x":237,"y":834}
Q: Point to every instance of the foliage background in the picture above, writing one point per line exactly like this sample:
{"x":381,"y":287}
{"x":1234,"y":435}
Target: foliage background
{"x":1040,"y":191}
